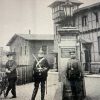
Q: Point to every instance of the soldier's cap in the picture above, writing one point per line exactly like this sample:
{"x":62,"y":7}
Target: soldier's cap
{"x":10,"y":54}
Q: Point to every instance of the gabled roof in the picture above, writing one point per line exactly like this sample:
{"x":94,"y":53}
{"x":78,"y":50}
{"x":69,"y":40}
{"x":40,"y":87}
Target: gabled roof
{"x":57,"y":2}
{"x":31,"y":37}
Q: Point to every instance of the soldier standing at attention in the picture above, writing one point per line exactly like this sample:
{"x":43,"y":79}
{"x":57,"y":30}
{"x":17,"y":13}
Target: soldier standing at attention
{"x":40,"y":71}
{"x":11,"y":74}
{"x":75,"y":77}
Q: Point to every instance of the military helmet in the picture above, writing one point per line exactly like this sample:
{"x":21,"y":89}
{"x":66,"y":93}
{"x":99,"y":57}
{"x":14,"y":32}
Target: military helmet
{"x":40,"y":53}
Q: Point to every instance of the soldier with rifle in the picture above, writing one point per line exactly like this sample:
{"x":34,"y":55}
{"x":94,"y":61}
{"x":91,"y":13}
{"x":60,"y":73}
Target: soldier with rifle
{"x":40,"y":72}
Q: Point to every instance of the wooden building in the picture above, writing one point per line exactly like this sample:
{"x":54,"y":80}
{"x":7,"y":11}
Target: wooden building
{"x":27,"y":44}
{"x":87,"y":20}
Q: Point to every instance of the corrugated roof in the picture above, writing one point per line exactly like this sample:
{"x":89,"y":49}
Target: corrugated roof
{"x":31,"y":37}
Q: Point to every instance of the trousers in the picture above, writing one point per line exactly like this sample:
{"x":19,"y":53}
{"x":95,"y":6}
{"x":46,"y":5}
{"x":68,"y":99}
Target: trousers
{"x":76,"y":90}
{"x":11,"y":86}
{"x":36,"y":86}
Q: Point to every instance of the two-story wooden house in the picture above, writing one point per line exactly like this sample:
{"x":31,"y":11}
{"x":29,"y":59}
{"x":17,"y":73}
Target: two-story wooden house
{"x":27,"y":44}
{"x":87,"y":20}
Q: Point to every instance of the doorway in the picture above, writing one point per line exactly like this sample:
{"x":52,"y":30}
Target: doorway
{"x":87,"y":52}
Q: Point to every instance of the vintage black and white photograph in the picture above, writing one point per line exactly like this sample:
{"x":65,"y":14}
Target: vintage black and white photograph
{"x":49,"y":49}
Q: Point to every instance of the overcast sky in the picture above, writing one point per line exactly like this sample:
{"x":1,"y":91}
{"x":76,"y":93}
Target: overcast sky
{"x":18,"y":16}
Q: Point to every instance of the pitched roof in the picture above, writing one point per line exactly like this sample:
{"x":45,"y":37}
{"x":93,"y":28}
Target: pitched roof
{"x":31,"y":37}
{"x":88,"y":6}
{"x":37,"y":36}
{"x":57,"y":2}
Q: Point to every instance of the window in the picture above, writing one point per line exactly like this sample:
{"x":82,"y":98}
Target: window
{"x":96,"y":16}
{"x":99,"y":45}
{"x":25,"y":50}
{"x":44,"y":48}
{"x":84,"y":21}
{"x":61,"y":7}
{"x":20,"y":50}
{"x":14,"y":50}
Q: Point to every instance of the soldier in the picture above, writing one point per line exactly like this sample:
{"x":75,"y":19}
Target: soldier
{"x":40,"y":71}
{"x":75,"y":77}
{"x":11,"y":74}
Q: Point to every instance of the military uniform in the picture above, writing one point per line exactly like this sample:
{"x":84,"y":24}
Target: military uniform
{"x":75,"y":77}
{"x":12,"y":76}
{"x":40,"y":76}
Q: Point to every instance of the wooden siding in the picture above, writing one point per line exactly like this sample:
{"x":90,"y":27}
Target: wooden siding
{"x":90,"y":32}
{"x":21,"y":59}
{"x":35,"y":47}
{"x":91,"y":20}
{"x":25,"y":61}
{"x":24,"y":74}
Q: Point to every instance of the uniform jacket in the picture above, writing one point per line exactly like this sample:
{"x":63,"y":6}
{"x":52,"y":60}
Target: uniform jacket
{"x":74,"y":64}
{"x":11,"y":65}
{"x":39,"y":76}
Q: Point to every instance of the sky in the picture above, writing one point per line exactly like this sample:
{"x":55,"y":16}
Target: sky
{"x":20,"y":16}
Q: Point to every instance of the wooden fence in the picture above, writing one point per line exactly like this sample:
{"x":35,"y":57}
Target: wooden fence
{"x":24,"y":74}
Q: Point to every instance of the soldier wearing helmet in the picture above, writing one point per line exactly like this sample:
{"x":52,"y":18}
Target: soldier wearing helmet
{"x":40,"y":71}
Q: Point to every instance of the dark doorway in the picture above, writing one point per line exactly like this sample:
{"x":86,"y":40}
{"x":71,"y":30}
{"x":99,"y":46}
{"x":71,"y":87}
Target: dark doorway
{"x":87,"y":58}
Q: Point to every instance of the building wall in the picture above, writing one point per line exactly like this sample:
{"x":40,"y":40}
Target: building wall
{"x":18,"y":46}
{"x":90,"y":31}
{"x":35,"y":47}
{"x":24,"y":50}
{"x":32,"y":47}
{"x":24,"y":69}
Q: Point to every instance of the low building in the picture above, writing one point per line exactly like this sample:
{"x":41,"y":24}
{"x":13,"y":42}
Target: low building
{"x":3,"y":59}
{"x":27,"y":44}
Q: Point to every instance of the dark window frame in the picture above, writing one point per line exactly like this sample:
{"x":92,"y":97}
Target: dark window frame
{"x":84,"y":20}
{"x":98,"y":44}
{"x":25,"y":50}
{"x":96,"y":16}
